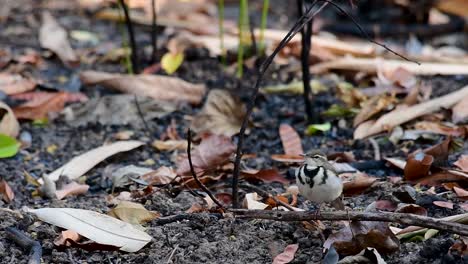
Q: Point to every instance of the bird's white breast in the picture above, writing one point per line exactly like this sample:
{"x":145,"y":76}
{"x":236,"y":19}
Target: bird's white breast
{"x":320,"y":191}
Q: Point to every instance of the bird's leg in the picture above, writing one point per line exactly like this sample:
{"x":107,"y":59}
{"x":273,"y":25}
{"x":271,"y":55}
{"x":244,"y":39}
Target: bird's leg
{"x":317,"y":211}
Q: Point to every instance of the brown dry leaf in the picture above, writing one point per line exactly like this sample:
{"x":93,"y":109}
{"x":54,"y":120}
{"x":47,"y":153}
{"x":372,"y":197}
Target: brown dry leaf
{"x":287,"y":158}
{"x":460,"y":111}
{"x":399,"y":76}
{"x":155,"y":86}
{"x":291,"y":140}
{"x":163,"y":175}
{"x":222,"y":114}
{"x":212,"y":152}
{"x":457,"y":7}
{"x":190,"y":183}
{"x":38,"y":98}
{"x":54,"y":37}
{"x":403,"y":114}
{"x":461,"y":193}
{"x":133,"y":213}
{"x":374,"y":106}
{"x":438,"y":178}
{"x":14,"y":83}
{"x":6,"y":192}
{"x":418,"y":166}
{"x":170,"y":145}
{"x":251,"y":201}
{"x":411,"y":209}
{"x":356,"y":183}
{"x":440,"y":151}
{"x":61,"y":240}
{"x":71,"y":189}
{"x":364,"y":234}
{"x":462,"y":163}
{"x":448,"y":205}
{"x":42,"y":110}
{"x":287,"y":255}
{"x":8,"y":123}
{"x":269,"y":175}
{"x":272,"y":203}
{"x":442,"y":129}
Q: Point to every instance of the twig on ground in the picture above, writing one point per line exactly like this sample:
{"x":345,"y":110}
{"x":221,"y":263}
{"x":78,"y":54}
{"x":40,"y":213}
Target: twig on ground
{"x":376,"y":148}
{"x":142,"y":117}
{"x":194,"y":174}
{"x":405,"y":219}
{"x":25,"y":242}
{"x":169,"y":259}
{"x":154,"y":32}
{"x":184,"y":216}
{"x":131,"y":36}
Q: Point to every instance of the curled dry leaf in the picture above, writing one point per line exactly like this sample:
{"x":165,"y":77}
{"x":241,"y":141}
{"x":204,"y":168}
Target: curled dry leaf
{"x":155,"y":86}
{"x":61,"y":240}
{"x":212,"y":152}
{"x":73,"y":188}
{"x":98,"y":227}
{"x":6,"y":192}
{"x":54,"y":37}
{"x":14,"y":83}
{"x":161,"y":176}
{"x":251,"y":201}
{"x":79,"y":165}
{"x":356,"y":183}
{"x":170,"y":145}
{"x":418,"y":166}
{"x":287,"y":255}
{"x":222,"y":114}
{"x":8,"y":123}
{"x":440,"y":151}
{"x":403,"y":114}
{"x":133,"y":213}
{"x":359,"y":235}
{"x":269,"y":175}
{"x":291,"y":140}
{"x":462,"y":163}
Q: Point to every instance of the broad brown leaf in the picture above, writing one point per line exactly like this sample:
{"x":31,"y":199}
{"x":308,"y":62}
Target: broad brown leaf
{"x":6,"y":192}
{"x":14,"y":83}
{"x":418,"y":166}
{"x":462,"y":163}
{"x":268,"y":175}
{"x":290,"y":139}
{"x":42,"y":110}
{"x":163,"y":175}
{"x":356,"y":183}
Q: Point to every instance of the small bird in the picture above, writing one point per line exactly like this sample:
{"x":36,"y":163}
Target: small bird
{"x":317,"y":180}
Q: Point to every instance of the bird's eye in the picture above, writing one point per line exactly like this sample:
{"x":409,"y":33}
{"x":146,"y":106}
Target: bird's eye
{"x":317,"y":157}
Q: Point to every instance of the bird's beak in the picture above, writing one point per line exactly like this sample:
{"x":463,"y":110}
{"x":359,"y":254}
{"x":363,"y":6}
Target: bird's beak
{"x":302,"y":155}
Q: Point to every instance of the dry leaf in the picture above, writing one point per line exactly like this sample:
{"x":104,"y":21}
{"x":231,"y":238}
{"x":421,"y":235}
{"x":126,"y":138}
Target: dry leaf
{"x":448,"y":205}
{"x":411,"y":209}
{"x":287,"y":255}
{"x":403,"y":114}
{"x":439,"y":128}
{"x":155,"y":86}
{"x":8,"y":123}
{"x":287,"y":158}
{"x":460,"y":111}
{"x":98,"y":227}
{"x":356,"y":183}
{"x":251,"y":201}
{"x":73,"y":188}
{"x":163,"y":175}
{"x":133,"y":213}
{"x":6,"y":192}
{"x":222,"y":114}
{"x":34,"y":111}
{"x":170,"y":145}
{"x":64,"y":236}
{"x":270,"y":175}
{"x":213,"y":151}
{"x":461,"y":193}
{"x":372,"y":107}
{"x":462,"y":163}
{"x":79,"y":165}
{"x":38,"y":98}
{"x":291,"y":140}
{"x":54,"y":37}
{"x":14,"y":83}
{"x":417,"y":166}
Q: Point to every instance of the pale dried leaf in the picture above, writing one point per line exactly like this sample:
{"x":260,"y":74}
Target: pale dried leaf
{"x":251,"y":201}
{"x":73,"y":188}
{"x":54,"y":37}
{"x":462,"y":163}
{"x":133,"y":213}
{"x":98,"y":227}
{"x":6,"y":192}
{"x":372,"y":107}
{"x":170,"y":145}
{"x":222,"y":114}
{"x":8,"y":123}
{"x":287,"y":255}
{"x":460,"y":111}
{"x":163,"y":175}
{"x":14,"y":83}
{"x":64,"y":235}
{"x":291,"y":141}
{"x":79,"y":165}
{"x":155,"y":86}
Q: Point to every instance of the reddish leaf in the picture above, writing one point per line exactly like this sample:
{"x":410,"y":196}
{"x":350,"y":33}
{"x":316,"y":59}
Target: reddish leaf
{"x":163,"y":175}
{"x":456,"y":131}
{"x":287,"y":158}
{"x":37,"y":98}
{"x":270,"y":175}
{"x":346,"y":156}
{"x":189,"y":182}
{"x":40,"y":111}
{"x":442,"y":177}
{"x":290,"y":139}
{"x":212,"y":152}
{"x":461,"y":193}
{"x":61,"y":240}
{"x":6,"y":192}
{"x":15,"y":83}
{"x":411,"y":209}
{"x":287,"y":255}
{"x":462,"y":163}
{"x":440,"y":151}
{"x":385,"y":205}
{"x":356,"y":183}
{"x":418,"y":166}
{"x":448,"y":205}
{"x":71,"y":189}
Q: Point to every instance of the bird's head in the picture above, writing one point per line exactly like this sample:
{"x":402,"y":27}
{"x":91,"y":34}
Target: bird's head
{"x":315,"y":158}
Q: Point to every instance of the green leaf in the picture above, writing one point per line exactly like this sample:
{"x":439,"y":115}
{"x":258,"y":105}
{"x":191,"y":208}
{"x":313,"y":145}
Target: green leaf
{"x":339,"y":111}
{"x":430,"y":233}
{"x":170,"y":62}
{"x":40,"y":122}
{"x":8,"y":146}
{"x":314,"y":128}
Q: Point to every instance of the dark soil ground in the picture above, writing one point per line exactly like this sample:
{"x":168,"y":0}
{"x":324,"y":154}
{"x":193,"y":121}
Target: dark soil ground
{"x":207,"y":239}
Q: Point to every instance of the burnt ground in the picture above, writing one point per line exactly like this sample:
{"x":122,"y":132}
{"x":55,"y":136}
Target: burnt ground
{"x":207,"y":239}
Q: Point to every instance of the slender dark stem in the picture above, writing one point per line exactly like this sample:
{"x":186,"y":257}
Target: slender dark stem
{"x":300,"y":23}
{"x":131,"y":35}
{"x":252,"y":37}
{"x":154,"y":32}
{"x":404,"y":219}
{"x":194,"y":174}
{"x":306,"y":34}
{"x":25,"y":242}
{"x":142,"y":117}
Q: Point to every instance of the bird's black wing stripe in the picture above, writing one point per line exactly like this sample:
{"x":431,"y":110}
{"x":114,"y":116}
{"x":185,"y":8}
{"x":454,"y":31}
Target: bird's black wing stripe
{"x":325,"y":176}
